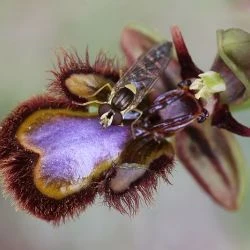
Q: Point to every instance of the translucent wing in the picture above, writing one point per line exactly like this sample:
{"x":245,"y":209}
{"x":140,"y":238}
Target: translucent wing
{"x":146,"y":70}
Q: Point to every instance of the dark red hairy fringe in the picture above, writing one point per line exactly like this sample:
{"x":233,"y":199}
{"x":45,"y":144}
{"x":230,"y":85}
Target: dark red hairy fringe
{"x":17,"y":164}
{"x":141,"y":191}
{"x":69,"y":63}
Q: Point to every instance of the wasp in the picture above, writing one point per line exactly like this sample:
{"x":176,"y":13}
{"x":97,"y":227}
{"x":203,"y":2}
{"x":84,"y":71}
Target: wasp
{"x":133,"y":86}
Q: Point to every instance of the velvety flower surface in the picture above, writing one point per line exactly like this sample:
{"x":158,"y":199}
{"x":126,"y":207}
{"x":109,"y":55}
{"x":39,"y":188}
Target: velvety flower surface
{"x":72,"y":146}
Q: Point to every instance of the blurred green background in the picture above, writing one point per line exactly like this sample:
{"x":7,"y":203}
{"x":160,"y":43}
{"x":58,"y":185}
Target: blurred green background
{"x":182,"y":216}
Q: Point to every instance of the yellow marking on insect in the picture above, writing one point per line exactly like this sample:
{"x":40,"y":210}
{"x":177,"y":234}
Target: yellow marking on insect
{"x":106,"y":121}
{"x":131,"y":87}
{"x":208,"y":84}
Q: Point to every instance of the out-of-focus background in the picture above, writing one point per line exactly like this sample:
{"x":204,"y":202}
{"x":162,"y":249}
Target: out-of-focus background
{"x":182,"y":216}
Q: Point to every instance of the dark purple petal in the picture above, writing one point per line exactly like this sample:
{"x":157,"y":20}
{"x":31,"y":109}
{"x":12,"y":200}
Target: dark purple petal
{"x":214,"y":159}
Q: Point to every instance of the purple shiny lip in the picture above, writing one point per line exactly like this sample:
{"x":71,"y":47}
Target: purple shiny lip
{"x":71,"y":147}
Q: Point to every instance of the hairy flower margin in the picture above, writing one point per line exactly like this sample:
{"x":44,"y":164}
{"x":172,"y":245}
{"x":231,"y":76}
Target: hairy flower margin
{"x":55,"y":157}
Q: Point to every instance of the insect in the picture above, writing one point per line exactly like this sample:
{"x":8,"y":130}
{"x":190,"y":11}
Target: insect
{"x":171,"y":112}
{"x":133,"y":86}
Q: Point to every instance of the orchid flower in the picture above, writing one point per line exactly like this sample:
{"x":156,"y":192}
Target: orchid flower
{"x":55,"y":157}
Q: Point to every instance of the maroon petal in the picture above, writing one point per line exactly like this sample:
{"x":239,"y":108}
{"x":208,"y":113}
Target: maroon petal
{"x":214,"y":159}
{"x":222,"y":118}
{"x":188,"y":68}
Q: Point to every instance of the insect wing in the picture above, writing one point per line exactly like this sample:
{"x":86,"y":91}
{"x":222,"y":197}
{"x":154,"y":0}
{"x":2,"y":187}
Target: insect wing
{"x":144,"y":73}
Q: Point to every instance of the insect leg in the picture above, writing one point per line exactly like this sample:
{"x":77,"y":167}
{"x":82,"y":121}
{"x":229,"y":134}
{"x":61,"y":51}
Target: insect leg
{"x":107,"y":85}
{"x":203,"y":116}
{"x":121,"y":73}
{"x":134,"y":122}
{"x":184,"y":84}
{"x":88,"y":103}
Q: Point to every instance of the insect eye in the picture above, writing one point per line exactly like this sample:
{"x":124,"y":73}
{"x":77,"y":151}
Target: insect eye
{"x":117,"y":120}
{"x":104,"y":108}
